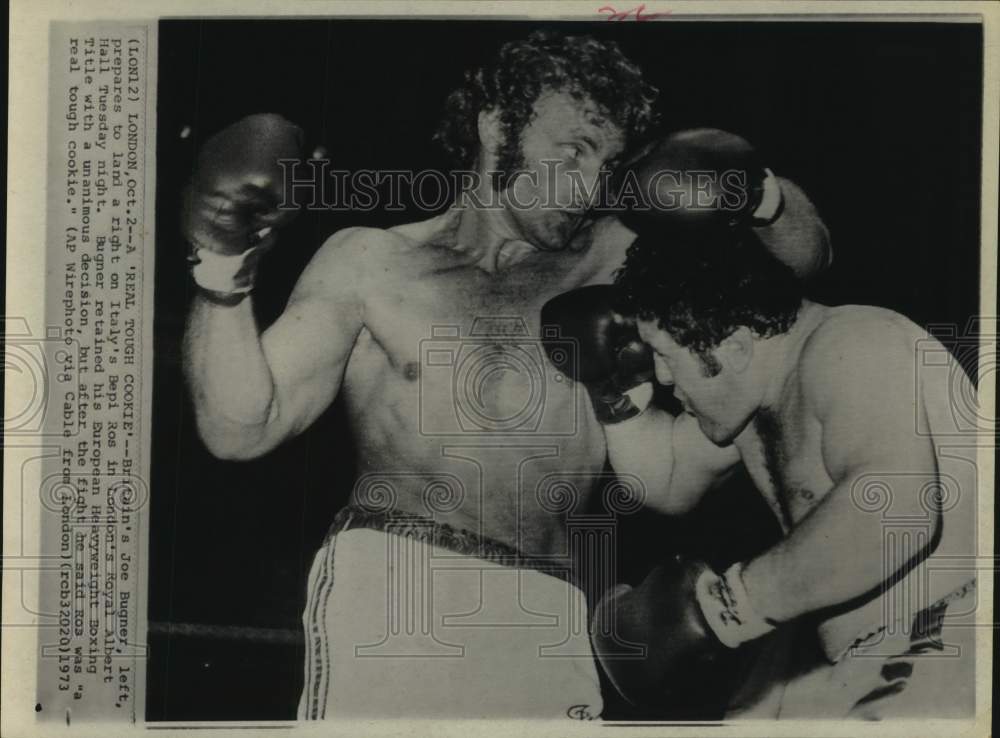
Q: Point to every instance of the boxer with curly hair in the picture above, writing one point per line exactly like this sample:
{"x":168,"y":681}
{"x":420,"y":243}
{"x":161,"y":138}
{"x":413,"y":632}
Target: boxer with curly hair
{"x":844,"y":418}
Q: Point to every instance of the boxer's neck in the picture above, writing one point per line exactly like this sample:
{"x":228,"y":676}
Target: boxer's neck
{"x":780,"y":354}
{"x":490,"y":240}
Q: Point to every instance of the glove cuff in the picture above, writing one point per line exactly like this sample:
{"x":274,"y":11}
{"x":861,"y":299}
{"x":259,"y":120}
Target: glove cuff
{"x":772,"y":201}
{"x":616,"y":407}
{"x":224,"y":275}
{"x":727,"y":608}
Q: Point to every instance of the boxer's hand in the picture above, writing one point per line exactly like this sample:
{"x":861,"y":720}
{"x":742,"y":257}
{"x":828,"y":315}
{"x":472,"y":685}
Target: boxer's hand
{"x":611,"y":360}
{"x":698,"y":179}
{"x":662,"y":617}
{"x":686,"y":617}
{"x":232,"y":201}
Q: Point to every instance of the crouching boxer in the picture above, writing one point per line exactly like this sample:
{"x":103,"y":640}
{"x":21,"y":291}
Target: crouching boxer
{"x":845,"y":419}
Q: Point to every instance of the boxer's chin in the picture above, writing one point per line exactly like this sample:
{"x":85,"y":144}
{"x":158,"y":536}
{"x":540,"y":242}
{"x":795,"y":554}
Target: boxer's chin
{"x":549,"y":241}
{"x":716,"y":433}
{"x":559,"y":232}
{"x":720,"y":434}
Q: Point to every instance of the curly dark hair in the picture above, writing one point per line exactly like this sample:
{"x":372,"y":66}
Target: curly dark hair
{"x":584,"y":67}
{"x":701,"y":289}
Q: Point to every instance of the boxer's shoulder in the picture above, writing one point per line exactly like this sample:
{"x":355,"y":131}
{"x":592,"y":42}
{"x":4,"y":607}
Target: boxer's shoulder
{"x":606,"y":244}
{"x":347,"y":256}
{"x":859,"y":328}
{"x":370,"y":244}
{"x":360,"y":251}
{"x":854,"y":346}
{"x":610,"y":235}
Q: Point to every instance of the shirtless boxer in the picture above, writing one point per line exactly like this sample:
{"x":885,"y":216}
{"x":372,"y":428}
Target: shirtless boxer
{"x":431,"y":331}
{"x":850,"y":437}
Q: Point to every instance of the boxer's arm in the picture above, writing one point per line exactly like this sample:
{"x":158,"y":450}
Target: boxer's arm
{"x":861,"y":387}
{"x":675,"y":461}
{"x":253,"y":391}
{"x":798,"y":237}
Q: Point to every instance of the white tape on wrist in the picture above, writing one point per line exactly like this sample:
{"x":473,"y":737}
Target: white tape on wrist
{"x":225,"y":274}
{"x":641,"y":396}
{"x":727,"y":608}
{"x":771,"y":200}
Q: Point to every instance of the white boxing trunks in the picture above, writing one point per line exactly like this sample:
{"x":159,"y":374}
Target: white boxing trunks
{"x":923,"y":671}
{"x":409,"y":618}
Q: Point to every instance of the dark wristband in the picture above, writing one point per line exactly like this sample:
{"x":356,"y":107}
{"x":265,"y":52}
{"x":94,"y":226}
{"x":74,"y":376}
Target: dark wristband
{"x":613,"y":407}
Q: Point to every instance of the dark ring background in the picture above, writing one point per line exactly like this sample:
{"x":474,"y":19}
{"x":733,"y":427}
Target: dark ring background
{"x":880,"y":123}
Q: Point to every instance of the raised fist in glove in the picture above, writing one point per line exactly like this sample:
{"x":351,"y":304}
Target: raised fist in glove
{"x":236,"y":200}
{"x":611,"y":360}
{"x":695,"y":180}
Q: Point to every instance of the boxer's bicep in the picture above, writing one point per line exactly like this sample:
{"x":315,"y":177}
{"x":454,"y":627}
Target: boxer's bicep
{"x":308,"y":347}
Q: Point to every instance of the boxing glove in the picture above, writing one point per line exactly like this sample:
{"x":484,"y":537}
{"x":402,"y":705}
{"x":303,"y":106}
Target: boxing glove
{"x":665,"y":637}
{"x":695,"y":181}
{"x":236,"y":199}
{"x":610,"y":360}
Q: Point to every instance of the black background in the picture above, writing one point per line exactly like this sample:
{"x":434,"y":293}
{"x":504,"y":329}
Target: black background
{"x":880,"y":123}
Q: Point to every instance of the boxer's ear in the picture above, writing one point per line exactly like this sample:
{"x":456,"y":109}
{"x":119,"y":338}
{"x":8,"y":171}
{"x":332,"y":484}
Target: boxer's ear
{"x":736,"y":350}
{"x":490,"y":135}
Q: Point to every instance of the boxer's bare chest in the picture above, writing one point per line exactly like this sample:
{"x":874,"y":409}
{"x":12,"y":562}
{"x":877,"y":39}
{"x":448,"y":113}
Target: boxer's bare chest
{"x":782,"y":451}
{"x":433,"y":308}
{"x":449,"y":376}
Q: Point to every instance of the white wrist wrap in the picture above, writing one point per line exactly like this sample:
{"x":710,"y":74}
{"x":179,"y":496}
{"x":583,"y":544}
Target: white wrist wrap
{"x":641,"y":396}
{"x":727,"y":608}
{"x":228,"y":275}
{"x":771,"y":201}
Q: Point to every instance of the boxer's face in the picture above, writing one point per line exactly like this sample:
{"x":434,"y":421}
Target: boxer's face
{"x":563,"y":150}
{"x":720,"y":401}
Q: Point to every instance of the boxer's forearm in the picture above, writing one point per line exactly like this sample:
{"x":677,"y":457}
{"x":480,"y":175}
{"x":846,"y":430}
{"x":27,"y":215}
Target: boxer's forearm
{"x":229,"y":377}
{"x":799,"y":238}
{"x":641,"y":447}
{"x":838,"y":553}
{"x":671,"y":457}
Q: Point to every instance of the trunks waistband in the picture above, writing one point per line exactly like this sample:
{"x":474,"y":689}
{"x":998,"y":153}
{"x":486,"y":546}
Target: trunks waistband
{"x":922,"y":621}
{"x":443,"y":535}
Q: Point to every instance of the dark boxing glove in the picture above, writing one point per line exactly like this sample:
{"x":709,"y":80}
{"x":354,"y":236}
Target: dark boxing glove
{"x":665,"y":637}
{"x":236,"y":200}
{"x":696,"y":181}
{"x":611,"y":360}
